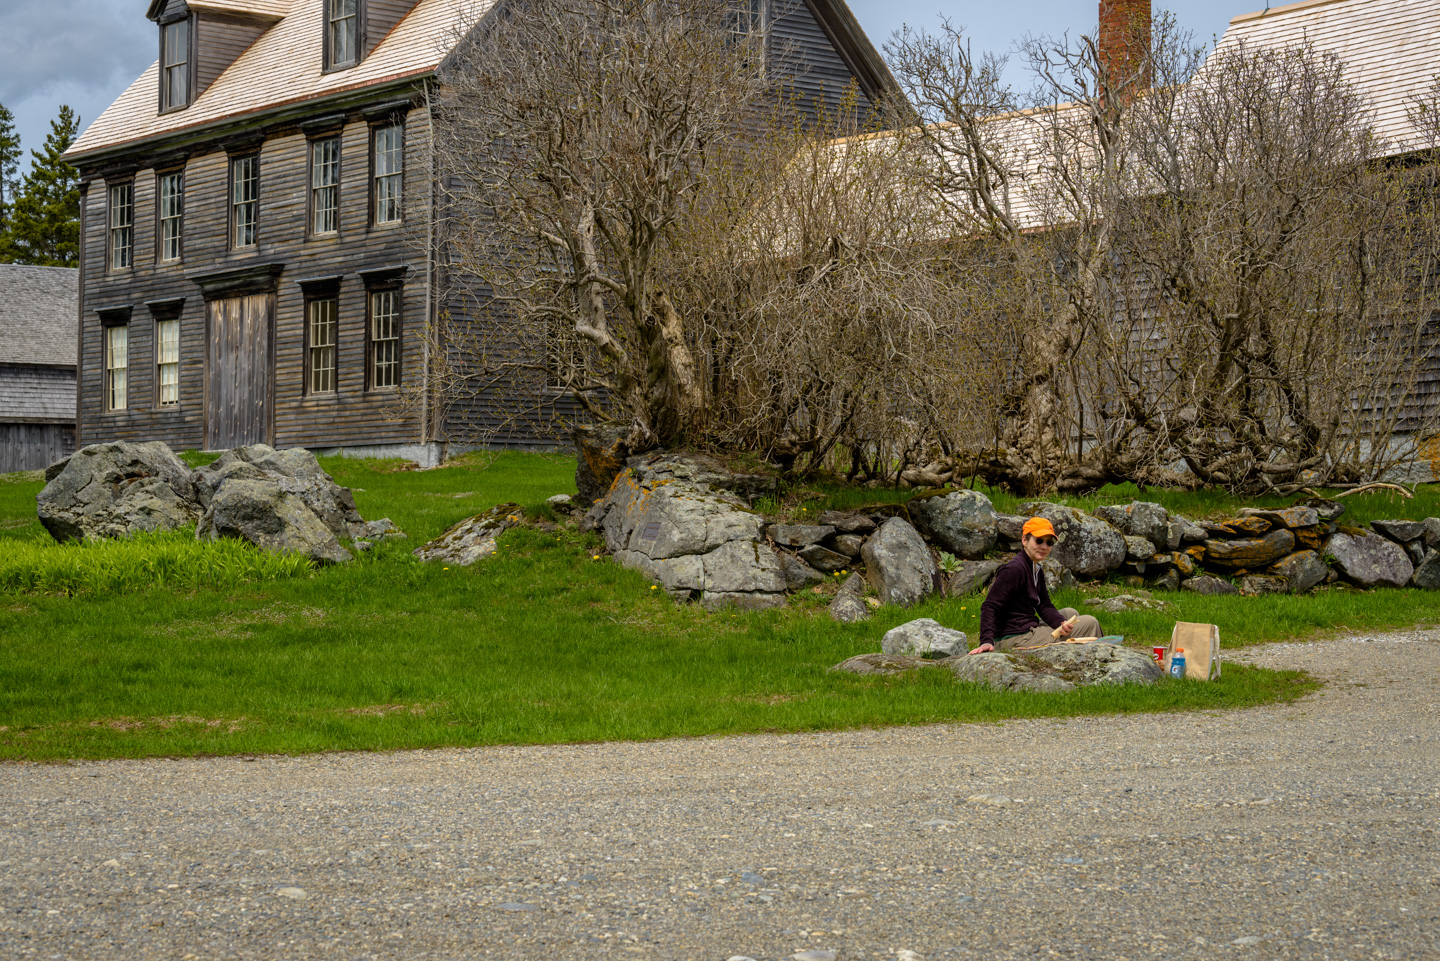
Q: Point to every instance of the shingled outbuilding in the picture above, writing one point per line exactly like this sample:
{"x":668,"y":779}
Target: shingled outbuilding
{"x":37,"y":365}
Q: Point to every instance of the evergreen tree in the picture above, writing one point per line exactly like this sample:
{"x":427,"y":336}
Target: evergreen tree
{"x":9,"y":164}
{"x":44,"y":222}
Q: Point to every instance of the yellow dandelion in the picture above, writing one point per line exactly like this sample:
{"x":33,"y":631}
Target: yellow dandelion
{"x":652,"y":587}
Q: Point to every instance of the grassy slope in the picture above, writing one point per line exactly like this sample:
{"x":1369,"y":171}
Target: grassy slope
{"x":539,"y":644}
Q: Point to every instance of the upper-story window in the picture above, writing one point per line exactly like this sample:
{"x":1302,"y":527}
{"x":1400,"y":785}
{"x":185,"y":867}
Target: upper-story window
{"x":175,"y":57}
{"x":172,"y":215}
{"x":244,"y":200}
{"x":389,"y":167}
{"x":324,"y":186}
{"x":122,"y":224}
{"x":342,"y":33}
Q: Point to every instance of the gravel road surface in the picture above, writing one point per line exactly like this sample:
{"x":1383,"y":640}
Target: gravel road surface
{"x":1303,"y":831}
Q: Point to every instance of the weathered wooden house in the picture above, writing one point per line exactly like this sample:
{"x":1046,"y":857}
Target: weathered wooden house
{"x":37,"y":365}
{"x":257,"y":252}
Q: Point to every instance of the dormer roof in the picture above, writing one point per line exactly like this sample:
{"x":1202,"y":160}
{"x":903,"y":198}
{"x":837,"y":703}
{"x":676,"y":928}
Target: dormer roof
{"x":248,"y":9}
{"x":282,"y":68}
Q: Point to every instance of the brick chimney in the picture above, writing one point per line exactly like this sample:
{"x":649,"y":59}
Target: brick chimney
{"x":1124,"y":41}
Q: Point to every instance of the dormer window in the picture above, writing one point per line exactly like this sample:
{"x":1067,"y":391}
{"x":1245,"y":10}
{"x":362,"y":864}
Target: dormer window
{"x":175,"y":64}
{"x":342,"y":33}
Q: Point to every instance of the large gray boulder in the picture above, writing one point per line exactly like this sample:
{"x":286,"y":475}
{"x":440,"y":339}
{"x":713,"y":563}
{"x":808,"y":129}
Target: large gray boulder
{"x":961,"y":521}
{"x":1087,"y":545}
{"x":970,"y":577}
{"x":1095,"y":664}
{"x":294,"y":470}
{"x":1369,"y":560}
{"x":899,"y":565}
{"x":1141,"y":519}
{"x":703,"y":473}
{"x":472,"y":539}
{"x":1427,"y":572}
{"x":1301,"y":571}
{"x":1431,"y":524}
{"x":116,"y":489}
{"x":924,"y":637}
{"x":270,"y":517}
{"x":697,"y":543}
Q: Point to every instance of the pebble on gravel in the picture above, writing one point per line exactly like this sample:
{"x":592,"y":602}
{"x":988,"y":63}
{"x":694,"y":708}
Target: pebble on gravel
{"x":296,"y":894}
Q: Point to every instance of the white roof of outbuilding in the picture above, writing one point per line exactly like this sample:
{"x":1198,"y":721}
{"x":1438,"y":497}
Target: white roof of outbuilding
{"x":282,"y":67}
{"x":1391,"y":49}
{"x":38,"y":315}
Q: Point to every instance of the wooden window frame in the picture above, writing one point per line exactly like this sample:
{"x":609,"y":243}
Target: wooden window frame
{"x":234,"y":159}
{"x":387,"y":123}
{"x":111,"y":227}
{"x":111,"y":319}
{"x":320,"y":290}
{"x":371,"y":292}
{"x":168,"y":313}
{"x":328,"y":64}
{"x":310,"y":191}
{"x":160,"y":252}
{"x":191,"y":73}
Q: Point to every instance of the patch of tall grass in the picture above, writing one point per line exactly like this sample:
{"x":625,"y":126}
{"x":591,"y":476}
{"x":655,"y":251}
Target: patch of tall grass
{"x":171,"y":559}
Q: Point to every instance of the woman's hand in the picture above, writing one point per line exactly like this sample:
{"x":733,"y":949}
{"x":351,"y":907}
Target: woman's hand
{"x":983,"y":649}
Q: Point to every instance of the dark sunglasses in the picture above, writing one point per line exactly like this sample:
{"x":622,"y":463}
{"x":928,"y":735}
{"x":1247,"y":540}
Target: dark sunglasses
{"x":1047,"y":541}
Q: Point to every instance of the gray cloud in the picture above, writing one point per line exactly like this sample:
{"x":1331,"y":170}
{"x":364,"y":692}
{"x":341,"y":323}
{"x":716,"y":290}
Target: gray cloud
{"x":85,"y":44}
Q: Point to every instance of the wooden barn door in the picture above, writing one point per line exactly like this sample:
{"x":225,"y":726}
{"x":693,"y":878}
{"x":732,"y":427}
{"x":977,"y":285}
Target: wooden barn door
{"x":237,"y":405}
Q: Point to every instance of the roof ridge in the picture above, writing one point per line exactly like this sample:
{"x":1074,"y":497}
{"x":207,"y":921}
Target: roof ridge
{"x":1288,"y":8}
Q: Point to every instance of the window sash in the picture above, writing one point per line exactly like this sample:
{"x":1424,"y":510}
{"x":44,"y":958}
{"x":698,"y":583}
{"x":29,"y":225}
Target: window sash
{"x":117,"y":362}
{"x":167,"y":354}
{"x":384,"y":339}
{"x":245,"y":199}
{"x":343,"y":23}
{"x":325,"y":186}
{"x":122,"y":216}
{"x":389,"y":172}
{"x":172,"y":212}
{"x":321,"y":324}
{"x":177,"y":63}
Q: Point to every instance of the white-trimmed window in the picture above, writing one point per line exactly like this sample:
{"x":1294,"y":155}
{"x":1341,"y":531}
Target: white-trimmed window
{"x":342,"y":32}
{"x":175,"y":65}
{"x":172,"y":215}
{"x":320,"y":324}
{"x":747,"y":27}
{"x":325,"y":186}
{"x":167,"y":362}
{"x":389,"y":166}
{"x":244,"y":200}
{"x":117,"y":363}
{"x":122,"y":225}
{"x":385,"y":339}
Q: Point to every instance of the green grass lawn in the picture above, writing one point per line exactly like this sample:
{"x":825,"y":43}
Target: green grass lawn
{"x":541,"y":643}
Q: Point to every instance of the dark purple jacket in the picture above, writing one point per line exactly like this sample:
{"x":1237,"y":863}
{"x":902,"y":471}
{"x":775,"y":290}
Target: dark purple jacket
{"x":1017,"y":598}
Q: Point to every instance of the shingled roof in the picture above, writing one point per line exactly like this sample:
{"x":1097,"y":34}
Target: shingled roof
{"x":1391,"y":49}
{"x":38,"y":315}
{"x":283,"y":67}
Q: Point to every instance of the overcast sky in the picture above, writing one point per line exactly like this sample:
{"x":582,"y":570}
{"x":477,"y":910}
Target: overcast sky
{"x":85,"y":52}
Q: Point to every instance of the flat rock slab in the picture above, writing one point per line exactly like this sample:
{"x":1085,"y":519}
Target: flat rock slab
{"x":1205,"y":584}
{"x":881,"y":664}
{"x":1249,"y":553}
{"x":472,"y":539}
{"x":1287,"y":517}
{"x":924,"y":637}
{"x":1402,"y":531}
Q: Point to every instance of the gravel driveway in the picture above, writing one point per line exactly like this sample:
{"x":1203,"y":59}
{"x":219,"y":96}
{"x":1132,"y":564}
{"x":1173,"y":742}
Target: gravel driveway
{"x":1308,"y":830}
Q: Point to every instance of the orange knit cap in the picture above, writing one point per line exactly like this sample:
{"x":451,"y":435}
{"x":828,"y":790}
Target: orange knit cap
{"x":1038,"y":527}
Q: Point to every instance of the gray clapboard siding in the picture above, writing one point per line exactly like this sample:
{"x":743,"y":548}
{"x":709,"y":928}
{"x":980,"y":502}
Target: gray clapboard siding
{"x":381,"y":16}
{"x":34,"y":446}
{"x":352,"y":415}
{"x":219,"y":42}
{"x":798,"y":43}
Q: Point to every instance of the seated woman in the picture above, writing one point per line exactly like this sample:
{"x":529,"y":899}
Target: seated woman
{"x":1019,"y":600}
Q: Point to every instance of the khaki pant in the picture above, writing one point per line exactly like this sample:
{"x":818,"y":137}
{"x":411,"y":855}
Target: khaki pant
{"x":1086,"y":626}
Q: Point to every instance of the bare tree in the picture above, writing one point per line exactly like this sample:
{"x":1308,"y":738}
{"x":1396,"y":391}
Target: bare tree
{"x":576,"y":135}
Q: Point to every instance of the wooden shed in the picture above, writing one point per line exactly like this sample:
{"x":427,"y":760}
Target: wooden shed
{"x":37,"y":365}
